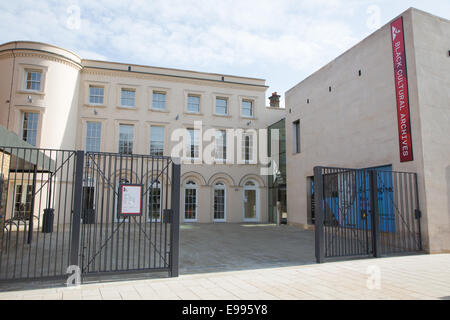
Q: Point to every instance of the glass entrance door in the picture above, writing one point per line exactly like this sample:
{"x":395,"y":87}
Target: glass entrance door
{"x":250,"y":201}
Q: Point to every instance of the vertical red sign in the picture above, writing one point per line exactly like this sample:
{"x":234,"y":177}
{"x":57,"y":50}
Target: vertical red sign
{"x":401,"y":90}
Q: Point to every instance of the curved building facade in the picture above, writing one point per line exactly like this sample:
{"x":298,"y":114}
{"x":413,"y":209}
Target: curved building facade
{"x":52,"y":98}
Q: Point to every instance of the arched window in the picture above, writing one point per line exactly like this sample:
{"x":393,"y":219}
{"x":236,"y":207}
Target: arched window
{"x":190,"y":201}
{"x":154,"y":201}
{"x":250,"y":199}
{"x":220,"y":202}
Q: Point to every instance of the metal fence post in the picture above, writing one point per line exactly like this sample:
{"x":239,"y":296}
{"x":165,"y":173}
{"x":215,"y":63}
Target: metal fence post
{"x":373,"y":176}
{"x":175,"y":221}
{"x":319,"y":215}
{"x":76,"y":216}
{"x":418,"y":213}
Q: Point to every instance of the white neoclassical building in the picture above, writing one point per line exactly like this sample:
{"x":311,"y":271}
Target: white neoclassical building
{"x":52,"y":98}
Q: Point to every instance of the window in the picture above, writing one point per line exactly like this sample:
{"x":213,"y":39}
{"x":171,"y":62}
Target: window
{"x":93,"y":136}
{"x":247,"y":108}
{"x":154,"y":201}
{"x":190,"y":201}
{"x":156,"y":141}
{"x":29,"y":127}
{"x":221,"y":106}
{"x":128,"y":97}
{"x":193,"y":103}
{"x":219,"y":201}
{"x":193,"y":144}
{"x":159,"y":101}
{"x":296,"y":136}
{"x":250,"y":205}
{"x":96,"y":95}
{"x":22,"y":205}
{"x":221,"y":145}
{"x":126,"y":137}
{"x":247,"y":147}
{"x":33,"y":81}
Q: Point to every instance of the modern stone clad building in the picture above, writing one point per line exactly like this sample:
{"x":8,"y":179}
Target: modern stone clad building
{"x":349,"y":115}
{"x":52,"y":98}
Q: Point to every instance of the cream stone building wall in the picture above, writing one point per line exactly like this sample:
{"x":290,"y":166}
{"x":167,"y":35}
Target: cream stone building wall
{"x":355,"y":124}
{"x":64,"y":109}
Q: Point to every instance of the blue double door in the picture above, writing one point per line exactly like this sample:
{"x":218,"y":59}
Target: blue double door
{"x":349,"y":202}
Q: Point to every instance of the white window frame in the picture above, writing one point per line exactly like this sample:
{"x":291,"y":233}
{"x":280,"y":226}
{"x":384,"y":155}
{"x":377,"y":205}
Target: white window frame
{"x":226,"y":106}
{"x":220,"y":186}
{"x":102,"y":96}
{"x":194,"y":95}
{"x":163,"y":140}
{"x":256,"y":188}
{"x":252,"y":108}
{"x":122,"y":90}
{"x":118,"y":140}
{"x":86,"y":137}
{"x":251,"y":147}
{"x":36,"y":130}
{"x":158,"y":92}
{"x":40,"y":72}
{"x":196,"y":134}
{"x":156,"y":184}
{"x":218,"y":145}
{"x":188,"y":186}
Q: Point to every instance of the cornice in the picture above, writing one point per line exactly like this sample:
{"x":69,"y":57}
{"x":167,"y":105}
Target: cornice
{"x":171,"y":78}
{"x":10,"y":53}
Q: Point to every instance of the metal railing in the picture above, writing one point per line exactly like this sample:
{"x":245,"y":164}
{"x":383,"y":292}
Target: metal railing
{"x":59,"y":208}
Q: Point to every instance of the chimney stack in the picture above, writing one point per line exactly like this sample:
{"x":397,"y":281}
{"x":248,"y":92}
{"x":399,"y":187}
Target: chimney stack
{"x":274,"y":100}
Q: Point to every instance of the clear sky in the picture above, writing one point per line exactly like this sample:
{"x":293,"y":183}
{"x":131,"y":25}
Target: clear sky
{"x":280,"y":41}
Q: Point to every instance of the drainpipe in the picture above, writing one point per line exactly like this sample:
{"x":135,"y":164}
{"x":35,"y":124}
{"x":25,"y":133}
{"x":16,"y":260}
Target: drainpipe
{"x":12,"y":82}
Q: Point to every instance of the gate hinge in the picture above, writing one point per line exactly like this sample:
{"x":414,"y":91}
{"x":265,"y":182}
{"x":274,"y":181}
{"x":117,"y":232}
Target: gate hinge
{"x":418,"y":213}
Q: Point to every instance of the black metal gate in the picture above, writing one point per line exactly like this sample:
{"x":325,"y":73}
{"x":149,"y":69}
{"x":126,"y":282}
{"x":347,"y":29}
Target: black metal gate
{"x":59,"y":208}
{"x":146,"y":242}
{"x":365,"y":212}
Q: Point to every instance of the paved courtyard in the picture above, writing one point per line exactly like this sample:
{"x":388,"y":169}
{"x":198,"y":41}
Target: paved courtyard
{"x":263,"y":262}
{"x":232,"y":247}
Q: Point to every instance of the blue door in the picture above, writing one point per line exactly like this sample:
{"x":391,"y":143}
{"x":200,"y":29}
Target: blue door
{"x":385,"y":191}
{"x":349,"y":200}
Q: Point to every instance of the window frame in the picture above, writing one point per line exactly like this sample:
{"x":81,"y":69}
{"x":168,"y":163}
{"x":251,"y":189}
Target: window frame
{"x":220,"y":186}
{"x":31,"y":71}
{"x":86,"y":137}
{"x":223,"y":152}
{"x":227,"y":111}
{"x":189,"y":144}
{"x":127,"y":89}
{"x":35,"y":130}
{"x":250,"y":149}
{"x":93,"y":86}
{"x":119,"y":140}
{"x":163,"y":139}
{"x":193,"y":95}
{"x":190,"y":186}
{"x":158,"y":92}
{"x":252,"y":108}
{"x":296,"y":137}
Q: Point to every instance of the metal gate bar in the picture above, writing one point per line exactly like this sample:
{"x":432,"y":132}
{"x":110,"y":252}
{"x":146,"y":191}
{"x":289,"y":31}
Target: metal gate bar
{"x":365,"y":212}
{"x":58,"y":208}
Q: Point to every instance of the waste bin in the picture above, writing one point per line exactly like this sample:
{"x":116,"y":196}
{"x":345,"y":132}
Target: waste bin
{"x":47,"y":221}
